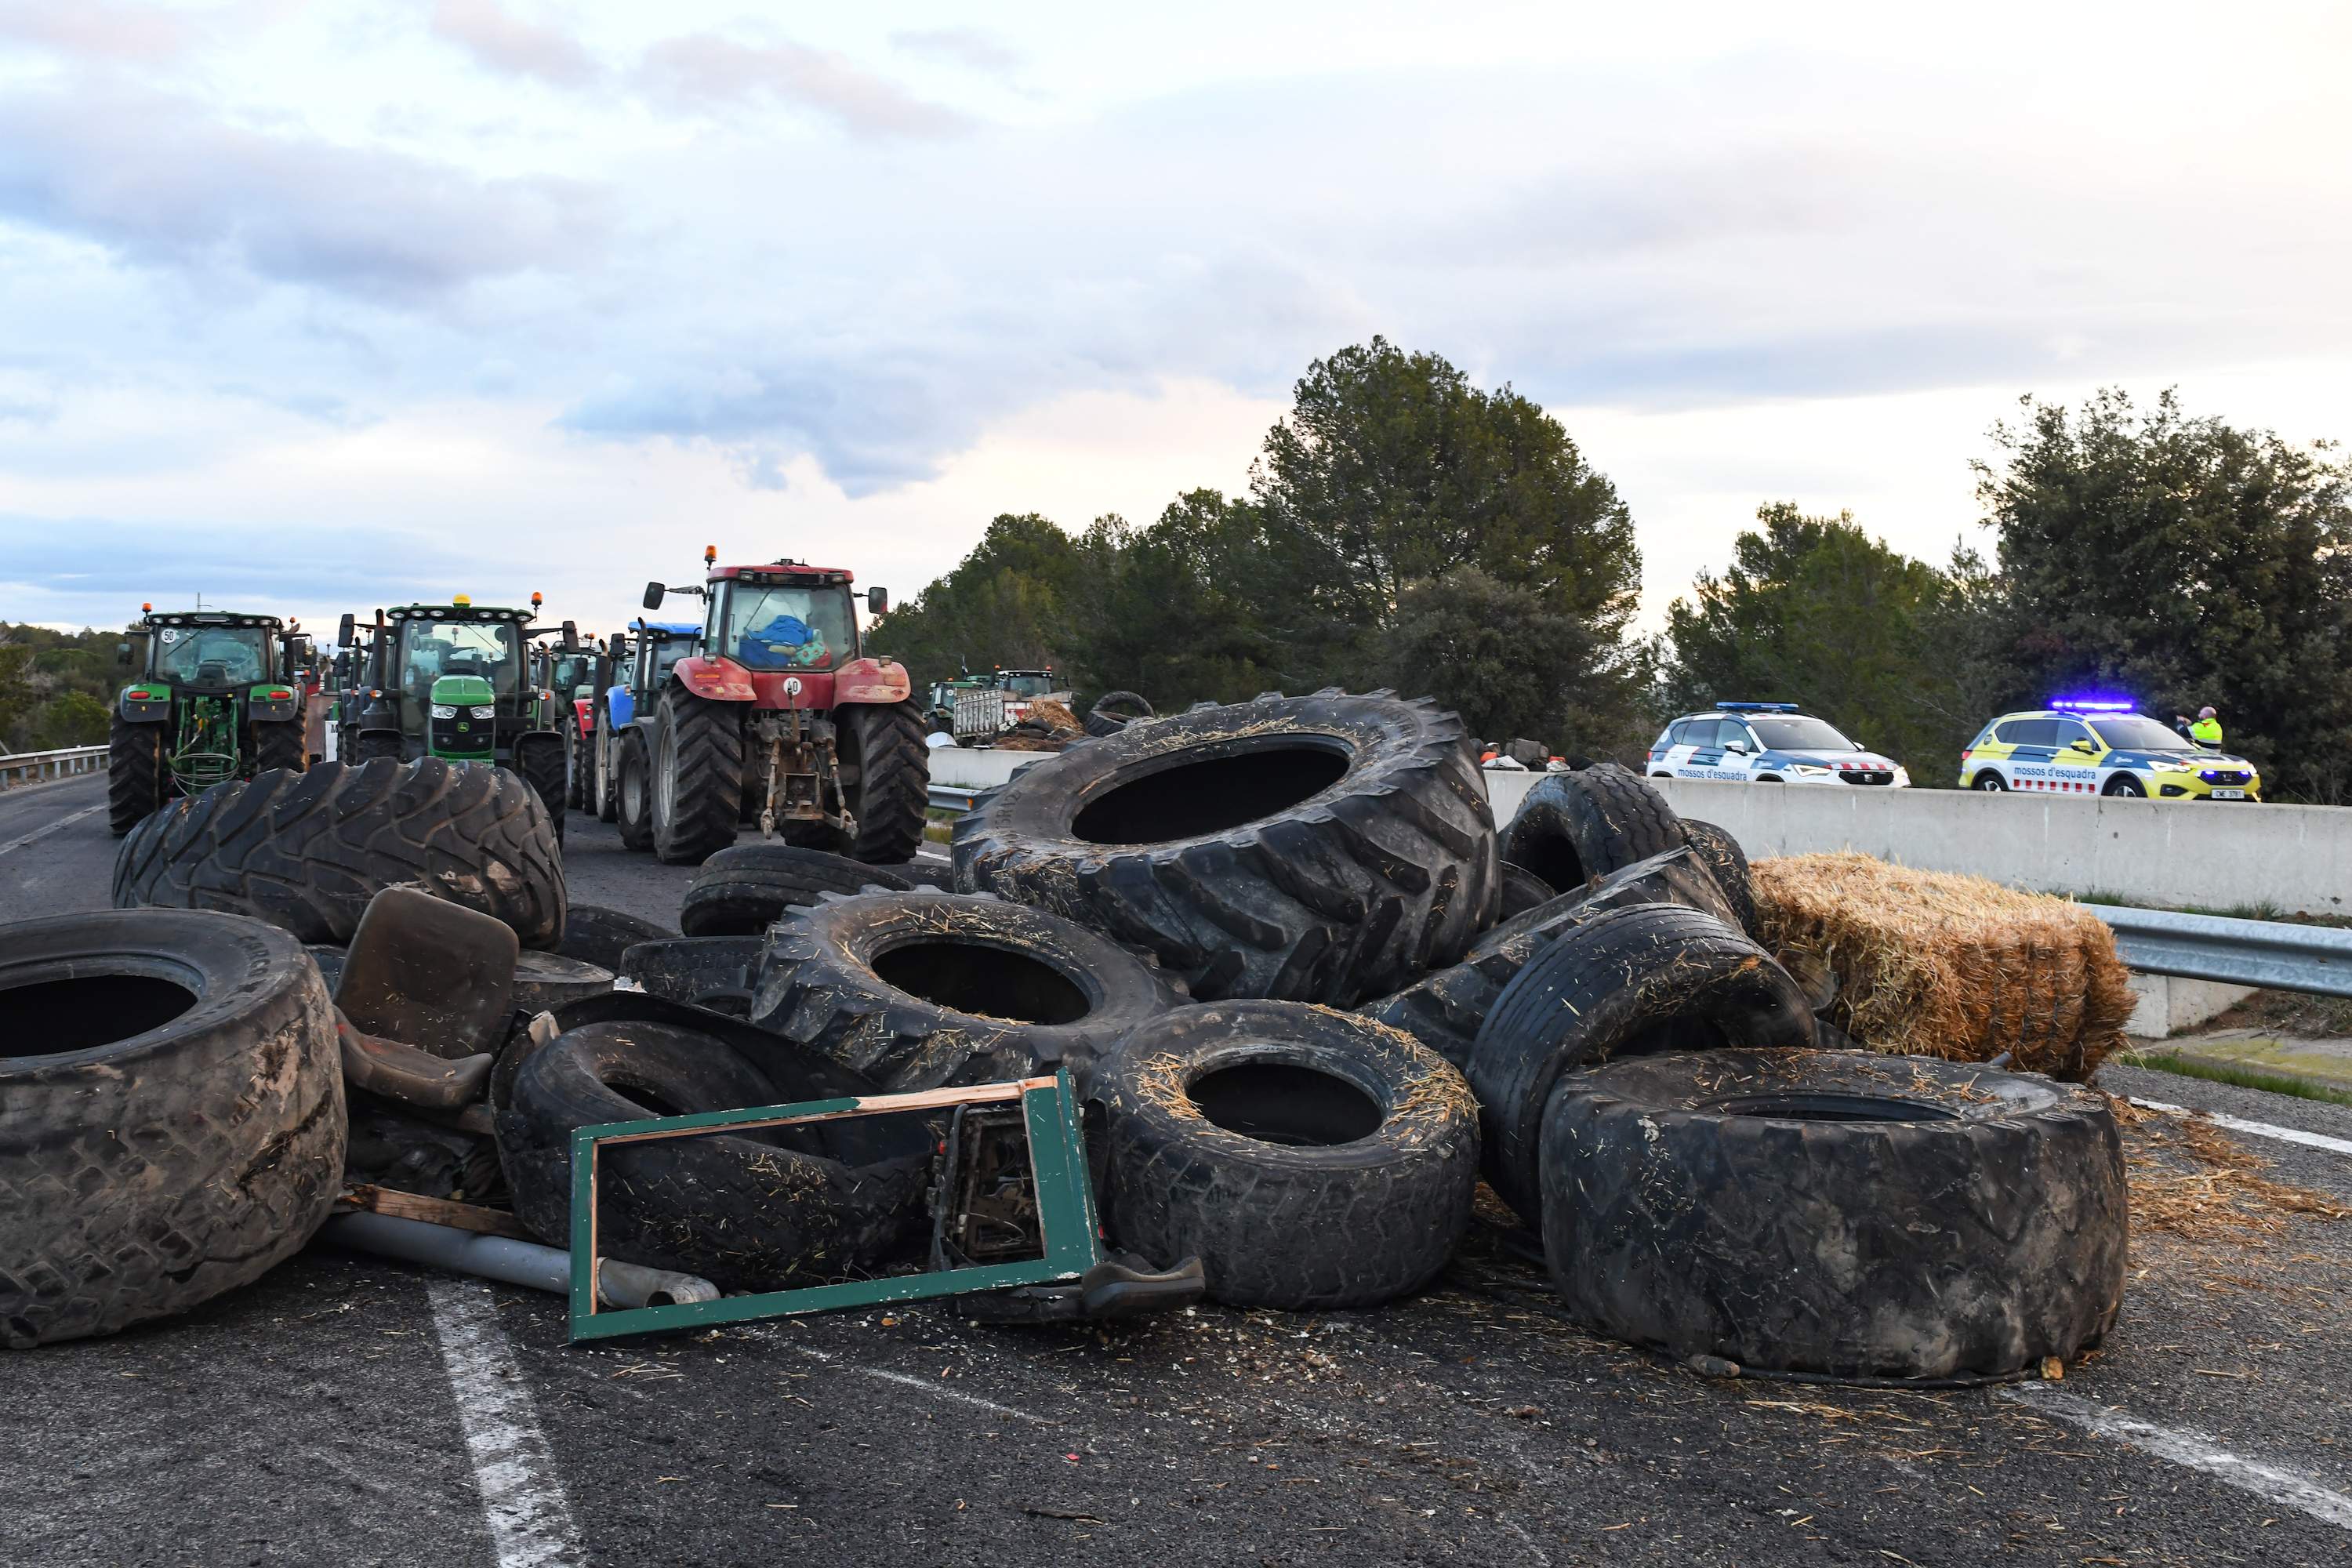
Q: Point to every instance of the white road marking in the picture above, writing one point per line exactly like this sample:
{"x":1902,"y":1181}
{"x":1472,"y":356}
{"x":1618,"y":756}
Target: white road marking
{"x":522,"y":1498}
{"x":924,"y":1385}
{"x":927,"y":853}
{"x":2194,"y":1450}
{"x":70,"y":818}
{"x":2258,"y":1128}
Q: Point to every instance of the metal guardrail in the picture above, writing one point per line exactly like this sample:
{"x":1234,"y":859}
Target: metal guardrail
{"x":954,"y":798}
{"x":2273,"y":954}
{"x":29,"y":767}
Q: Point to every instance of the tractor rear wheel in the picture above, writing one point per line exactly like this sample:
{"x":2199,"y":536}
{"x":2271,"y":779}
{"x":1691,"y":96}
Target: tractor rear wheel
{"x":632,"y":789}
{"x":885,"y":776}
{"x":575,"y":770}
{"x":373,"y":744}
{"x":279,"y":745}
{"x":604,"y":779}
{"x":134,"y":774}
{"x":540,"y":763}
{"x":698,"y":777}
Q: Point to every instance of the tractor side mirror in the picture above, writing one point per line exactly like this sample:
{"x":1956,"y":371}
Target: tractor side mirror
{"x":347,"y":631}
{"x":571,"y":636}
{"x":654,"y":591}
{"x":877,"y":601}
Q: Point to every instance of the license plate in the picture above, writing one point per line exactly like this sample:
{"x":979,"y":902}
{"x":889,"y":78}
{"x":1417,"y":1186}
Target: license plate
{"x":2228,"y":794}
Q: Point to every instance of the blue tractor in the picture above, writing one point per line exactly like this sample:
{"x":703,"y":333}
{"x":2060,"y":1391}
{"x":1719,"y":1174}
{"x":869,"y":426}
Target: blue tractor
{"x":621,"y":792}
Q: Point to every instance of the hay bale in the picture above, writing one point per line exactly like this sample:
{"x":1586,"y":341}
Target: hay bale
{"x":1055,"y":716}
{"x":1930,"y":963}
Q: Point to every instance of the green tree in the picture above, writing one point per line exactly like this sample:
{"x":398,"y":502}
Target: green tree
{"x":1391,"y":469}
{"x":17,"y":695}
{"x":69,"y":718}
{"x":1004,"y":603}
{"x":1813,"y":610}
{"x":2183,"y":562}
{"x":1499,"y":655}
{"x":1184,"y":609}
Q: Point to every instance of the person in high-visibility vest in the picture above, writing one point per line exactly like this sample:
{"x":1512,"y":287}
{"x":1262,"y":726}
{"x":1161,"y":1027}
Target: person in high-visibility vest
{"x":2207,"y":731}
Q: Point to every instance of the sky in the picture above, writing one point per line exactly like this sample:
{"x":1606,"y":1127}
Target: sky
{"x":311,"y":308}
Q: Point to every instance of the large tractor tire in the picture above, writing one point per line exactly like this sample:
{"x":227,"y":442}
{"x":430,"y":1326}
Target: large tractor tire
{"x":885,"y":776}
{"x":923,"y":989}
{"x":1310,"y":1160}
{"x":633,"y":788}
{"x":308,"y":850}
{"x":176,"y":1128}
{"x":1319,"y":848}
{"x":1846,"y":1214}
{"x":134,"y":774}
{"x":698,"y":777}
{"x":604,"y":779}
{"x":279,"y":745}
{"x":1575,"y":826}
{"x":540,"y":763}
{"x":375,"y":745}
{"x":575,"y":769}
{"x":744,"y":890}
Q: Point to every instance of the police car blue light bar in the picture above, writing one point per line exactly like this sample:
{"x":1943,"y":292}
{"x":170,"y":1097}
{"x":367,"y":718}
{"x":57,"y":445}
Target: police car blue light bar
{"x":2093,"y":704}
{"x":1756,"y":707}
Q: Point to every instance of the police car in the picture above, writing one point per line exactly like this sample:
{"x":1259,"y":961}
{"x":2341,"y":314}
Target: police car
{"x":2100,"y":746}
{"x":1766,"y":742}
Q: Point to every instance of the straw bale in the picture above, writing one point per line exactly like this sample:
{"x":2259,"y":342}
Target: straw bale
{"x":1055,"y":716}
{"x":1932,"y":963}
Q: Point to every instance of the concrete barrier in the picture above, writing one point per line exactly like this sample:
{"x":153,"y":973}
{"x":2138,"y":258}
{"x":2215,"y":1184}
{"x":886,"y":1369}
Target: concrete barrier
{"x":2296,"y":858}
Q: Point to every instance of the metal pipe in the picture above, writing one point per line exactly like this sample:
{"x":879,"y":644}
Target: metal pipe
{"x":509,"y":1261}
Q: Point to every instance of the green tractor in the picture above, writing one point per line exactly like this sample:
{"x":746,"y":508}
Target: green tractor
{"x":215,"y":702}
{"x":455,"y":682}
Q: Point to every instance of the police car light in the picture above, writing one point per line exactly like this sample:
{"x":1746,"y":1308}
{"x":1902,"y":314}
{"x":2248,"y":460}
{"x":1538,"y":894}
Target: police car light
{"x":1756,"y":707}
{"x":2092,"y":704}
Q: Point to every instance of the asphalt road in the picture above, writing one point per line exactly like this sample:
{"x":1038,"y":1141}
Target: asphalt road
{"x":352,"y":1411}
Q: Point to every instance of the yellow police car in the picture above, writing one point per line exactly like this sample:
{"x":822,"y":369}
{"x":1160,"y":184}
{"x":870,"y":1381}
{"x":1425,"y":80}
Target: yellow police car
{"x":2094,"y":746}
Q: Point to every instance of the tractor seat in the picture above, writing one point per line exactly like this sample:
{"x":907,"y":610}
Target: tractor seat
{"x":213,"y":672}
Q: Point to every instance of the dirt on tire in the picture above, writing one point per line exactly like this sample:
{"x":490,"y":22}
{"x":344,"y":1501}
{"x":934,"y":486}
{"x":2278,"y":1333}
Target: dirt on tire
{"x":307,"y":851}
{"x":1318,"y":848}
{"x":184,"y":1133}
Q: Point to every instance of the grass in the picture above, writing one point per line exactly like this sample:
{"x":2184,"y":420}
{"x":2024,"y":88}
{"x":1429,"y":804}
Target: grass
{"x":2237,"y":1077}
{"x":2264,"y":910}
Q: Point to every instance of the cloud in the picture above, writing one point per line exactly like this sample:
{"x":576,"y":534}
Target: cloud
{"x":696,"y":71}
{"x":970,"y":46}
{"x":158,"y":180}
{"x":501,"y":41}
{"x":95,"y":29}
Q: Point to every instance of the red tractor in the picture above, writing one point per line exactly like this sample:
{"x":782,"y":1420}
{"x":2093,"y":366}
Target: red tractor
{"x":779,"y":720}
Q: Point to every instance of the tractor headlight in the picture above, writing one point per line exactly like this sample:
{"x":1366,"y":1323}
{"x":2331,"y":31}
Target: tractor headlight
{"x":442,"y":710}
{"x":486,"y":713}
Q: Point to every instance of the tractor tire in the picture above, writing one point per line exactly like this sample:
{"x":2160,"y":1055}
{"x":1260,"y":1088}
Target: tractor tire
{"x":594,"y":934}
{"x":1633,"y":982}
{"x":280,"y":746}
{"x":1523,"y":890}
{"x":307,"y":851}
{"x":540,"y":764}
{"x":546,"y":981}
{"x":1729,"y":862}
{"x":710,"y":972}
{"x":134,"y":774}
{"x":576,"y":772}
{"x":698,"y":777}
{"x":1310,"y":1160}
{"x":375,"y":746}
{"x":1575,"y":826}
{"x":890,"y":795}
{"x":1115,"y":711}
{"x":744,"y":890}
{"x":752,"y":1211}
{"x":1316,"y":849}
{"x":924,"y":990}
{"x":604,"y":776}
{"x":182,"y":1127}
{"x":1850,"y":1215}
{"x":633,"y":788}
{"x":1444,"y":1008}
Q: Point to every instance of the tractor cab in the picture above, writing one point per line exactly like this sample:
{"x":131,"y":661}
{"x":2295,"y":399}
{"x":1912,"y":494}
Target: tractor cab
{"x":212,"y":703}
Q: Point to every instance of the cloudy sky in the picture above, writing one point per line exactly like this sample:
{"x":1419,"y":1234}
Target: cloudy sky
{"x":318,"y":307}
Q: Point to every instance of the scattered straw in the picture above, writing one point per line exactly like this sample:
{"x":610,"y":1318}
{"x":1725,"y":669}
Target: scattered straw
{"x":2191,"y":1180}
{"x":1931,"y":963}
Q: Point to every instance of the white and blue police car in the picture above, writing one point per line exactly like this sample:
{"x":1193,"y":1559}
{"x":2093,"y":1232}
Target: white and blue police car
{"x":1767,"y":742}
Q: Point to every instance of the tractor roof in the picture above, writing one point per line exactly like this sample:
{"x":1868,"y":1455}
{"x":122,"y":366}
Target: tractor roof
{"x":456,"y":613}
{"x":208,"y":618}
{"x":798,"y":573}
